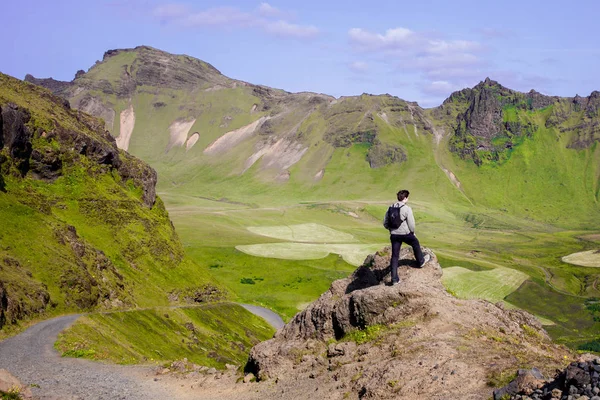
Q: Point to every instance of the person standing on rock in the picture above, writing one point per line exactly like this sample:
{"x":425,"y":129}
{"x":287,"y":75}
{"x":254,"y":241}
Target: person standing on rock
{"x":400,"y":221}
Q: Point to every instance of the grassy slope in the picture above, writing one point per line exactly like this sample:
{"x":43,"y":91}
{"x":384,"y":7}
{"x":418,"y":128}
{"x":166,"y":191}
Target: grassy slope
{"x":141,"y":257}
{"x":511,"y":214}
{"x":488,"y":231}
{"x":210,"y":335}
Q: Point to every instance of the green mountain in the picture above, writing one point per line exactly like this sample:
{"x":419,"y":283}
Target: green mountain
{"x":82,"y":227}
{"x":217,"y":137}
{"x":504,"y":184}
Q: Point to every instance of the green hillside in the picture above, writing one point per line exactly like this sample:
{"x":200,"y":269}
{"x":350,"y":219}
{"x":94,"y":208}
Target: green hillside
{"x":216,"y":137}
{"x":82,"y":227}
{"x":498,"y":179}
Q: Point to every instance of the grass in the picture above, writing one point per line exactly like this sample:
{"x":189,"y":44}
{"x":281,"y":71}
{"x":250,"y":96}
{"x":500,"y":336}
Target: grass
{"x":311,"y":233}
{"x":13,"y":394}
{"x":211,"y":335}
{"x":506,"y":215}
{"x":84,"y":241}
{"x":590,"y":258}
{"x":353,"y":254}
{"x":493,"y":285}
{"x":497,"y":260}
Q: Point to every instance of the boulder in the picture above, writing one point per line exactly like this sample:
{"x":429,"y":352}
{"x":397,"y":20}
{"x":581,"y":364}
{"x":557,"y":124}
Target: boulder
{"x":526,"y":382}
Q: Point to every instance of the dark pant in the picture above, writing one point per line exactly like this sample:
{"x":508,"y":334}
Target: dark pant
{"x":397,"y":241}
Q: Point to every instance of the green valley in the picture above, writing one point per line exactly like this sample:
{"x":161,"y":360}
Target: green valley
{"x":504,"y":184}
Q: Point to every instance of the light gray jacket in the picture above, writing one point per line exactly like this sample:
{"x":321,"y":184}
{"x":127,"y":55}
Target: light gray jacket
{"x":408,"y":220}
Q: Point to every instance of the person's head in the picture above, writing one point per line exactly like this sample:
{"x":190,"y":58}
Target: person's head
{"x":402,"y":195}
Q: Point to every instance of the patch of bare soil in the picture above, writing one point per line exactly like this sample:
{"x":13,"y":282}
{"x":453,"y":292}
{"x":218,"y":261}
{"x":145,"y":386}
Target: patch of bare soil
{"x":232,"y":138}
{"x":127,"y":123}
{"x":178,"y":133}
{"x":452,"y":177}
{"x":319,"y":175}
{"x":280,"y":155}
{"x":192,"y":140}
{"x":594,"y":237}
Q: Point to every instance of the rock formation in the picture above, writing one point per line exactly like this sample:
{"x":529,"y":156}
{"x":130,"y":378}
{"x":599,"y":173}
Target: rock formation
{"x":60,"y":173}
{"x":366,"y":339}
{"x":580,"y":380}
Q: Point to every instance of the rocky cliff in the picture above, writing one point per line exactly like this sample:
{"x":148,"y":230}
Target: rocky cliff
{"x":491,"y":119}
{"x":366,"y":339}
{"x":82,"y":227}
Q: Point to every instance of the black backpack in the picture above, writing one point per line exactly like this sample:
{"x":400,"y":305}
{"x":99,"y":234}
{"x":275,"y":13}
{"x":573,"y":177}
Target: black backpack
{"x":393,"y":217}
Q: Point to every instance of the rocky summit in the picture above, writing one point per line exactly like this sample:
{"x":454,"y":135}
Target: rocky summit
{"x":364,"y":338}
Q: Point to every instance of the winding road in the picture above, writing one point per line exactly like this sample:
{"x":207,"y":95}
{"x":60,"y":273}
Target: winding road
{"x":31,"y":357}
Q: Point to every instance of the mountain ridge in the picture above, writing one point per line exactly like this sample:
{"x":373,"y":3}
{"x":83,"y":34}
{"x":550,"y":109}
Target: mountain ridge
{"x":294,"y":142}
{"x":48,"y":82}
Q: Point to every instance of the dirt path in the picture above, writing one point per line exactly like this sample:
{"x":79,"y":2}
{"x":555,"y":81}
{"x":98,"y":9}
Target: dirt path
{"x":31,"y":357}
{"x":271,"y":317}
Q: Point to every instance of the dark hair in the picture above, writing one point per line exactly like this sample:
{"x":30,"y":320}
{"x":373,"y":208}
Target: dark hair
{"x":402,"y":194}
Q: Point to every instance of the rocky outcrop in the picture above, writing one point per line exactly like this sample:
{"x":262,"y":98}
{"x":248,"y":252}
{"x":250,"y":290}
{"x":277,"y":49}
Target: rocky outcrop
{"x":536,"y":100}
{"x":46,"y":162}
{"x":15,"y":135}
{"x":20,"y":294}
{"x":61,"y":170}
{"x":381,"y":154}
{"x":484,"y":119}
{"x":580,"y":380}
{"x":94,"y":106}
{"x":161,"y":69}
{"x":94,"y":280}
{"x":60,"y":88}
{"x":414,"y":340}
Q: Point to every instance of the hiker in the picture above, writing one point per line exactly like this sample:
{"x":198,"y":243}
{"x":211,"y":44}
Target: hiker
{"x":399,"y":220}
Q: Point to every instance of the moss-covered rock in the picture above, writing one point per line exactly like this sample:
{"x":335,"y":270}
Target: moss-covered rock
{"x":82,"y":226}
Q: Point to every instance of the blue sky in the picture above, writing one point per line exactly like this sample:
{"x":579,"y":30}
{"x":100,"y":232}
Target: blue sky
{"x":417,"y":50}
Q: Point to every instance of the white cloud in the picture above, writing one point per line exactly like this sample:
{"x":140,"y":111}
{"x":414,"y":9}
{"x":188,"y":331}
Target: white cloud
{"x":267,"y":10}
{"x":443,"y":64}
{"x":452,"y":47}
{"x":393,"y":38}
{"x":169,"y":11}
{"x":359,"y":66}
{"x":283,"y":28}
{"x":263,"y":17}
{"x":439,"y":88}
{"x":228,"y":17}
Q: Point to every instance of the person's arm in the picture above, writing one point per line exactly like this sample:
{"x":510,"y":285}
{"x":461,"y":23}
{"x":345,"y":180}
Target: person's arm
{"x":410,"y":220}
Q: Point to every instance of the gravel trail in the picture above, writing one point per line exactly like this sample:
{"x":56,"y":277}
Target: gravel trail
{"x":31,"y":357}
{"x":271,"y":317}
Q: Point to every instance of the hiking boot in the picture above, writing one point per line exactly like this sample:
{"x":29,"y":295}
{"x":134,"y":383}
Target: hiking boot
{"x":426,"y":259}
